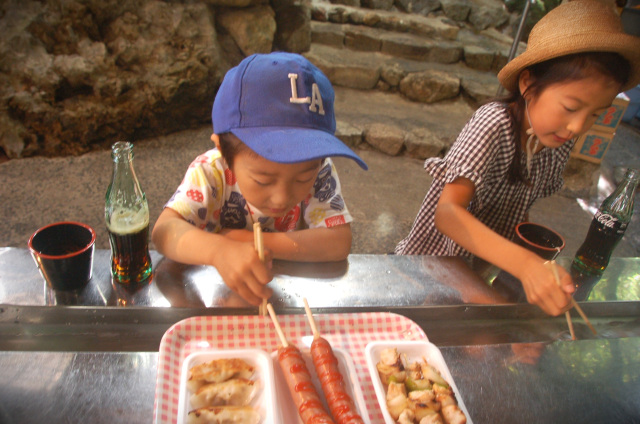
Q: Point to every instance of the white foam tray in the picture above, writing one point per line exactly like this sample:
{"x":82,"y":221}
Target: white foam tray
{"x":412,"y":351}
{"x":264,"y":401}
{"x":288,"y":411}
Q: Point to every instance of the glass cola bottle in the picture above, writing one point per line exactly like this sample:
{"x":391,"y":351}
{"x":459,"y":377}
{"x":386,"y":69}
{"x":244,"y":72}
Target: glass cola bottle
{"x":607,"y":227}
{"x":127,"y":217}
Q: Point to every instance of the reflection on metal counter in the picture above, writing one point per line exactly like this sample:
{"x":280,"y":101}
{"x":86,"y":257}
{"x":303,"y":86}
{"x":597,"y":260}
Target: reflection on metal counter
{"x":586,"y":381}
{"x":560,"y":382}
{"x":361,"y":281}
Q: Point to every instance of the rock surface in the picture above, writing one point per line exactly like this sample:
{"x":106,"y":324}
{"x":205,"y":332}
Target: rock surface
{"x":77,"y":75}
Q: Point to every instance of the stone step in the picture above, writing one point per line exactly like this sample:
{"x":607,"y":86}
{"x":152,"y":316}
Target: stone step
{"x":420,"y":16}
{"x":434,"y":27}
{"x":395,"y":125}
{"x":405,"y":84}
{"x":406,"y":45}
{"x":374,"y":70}
{"x":377,"y":49}
{"x":486,"y":50}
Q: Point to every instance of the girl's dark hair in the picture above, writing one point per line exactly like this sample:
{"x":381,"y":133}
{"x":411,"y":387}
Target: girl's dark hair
{"x":554,"y":71}
{"x":230,"y":146}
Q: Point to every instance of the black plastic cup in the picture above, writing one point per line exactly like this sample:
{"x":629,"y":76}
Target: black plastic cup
{"x":541,"y":240}
{"x":63,"y":253}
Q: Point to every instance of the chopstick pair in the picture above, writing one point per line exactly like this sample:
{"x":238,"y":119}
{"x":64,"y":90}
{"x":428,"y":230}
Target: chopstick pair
{"x":553,"y":265}
{"x":258,"y":243}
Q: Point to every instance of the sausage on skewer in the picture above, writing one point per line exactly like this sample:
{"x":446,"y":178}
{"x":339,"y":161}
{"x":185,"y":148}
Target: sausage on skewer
{"x":298,"y":380}
{"x":301,"y":387}
{"x":342,"y":407}
{"x":340,"y":403}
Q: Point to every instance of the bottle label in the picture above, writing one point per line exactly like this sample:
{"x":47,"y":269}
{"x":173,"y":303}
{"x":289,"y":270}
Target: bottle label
{"x":610,"y":221}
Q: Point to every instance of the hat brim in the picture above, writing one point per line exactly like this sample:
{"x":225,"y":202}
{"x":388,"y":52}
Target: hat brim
{"x":589,"y":41}
{"x":294,"y":145}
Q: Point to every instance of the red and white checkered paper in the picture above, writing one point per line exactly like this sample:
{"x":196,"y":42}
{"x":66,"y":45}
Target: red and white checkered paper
{"x":351,"y":332}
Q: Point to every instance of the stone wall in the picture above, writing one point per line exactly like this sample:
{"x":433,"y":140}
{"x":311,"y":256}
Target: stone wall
{"x":79,"y":74}
{"x":75,"y":74}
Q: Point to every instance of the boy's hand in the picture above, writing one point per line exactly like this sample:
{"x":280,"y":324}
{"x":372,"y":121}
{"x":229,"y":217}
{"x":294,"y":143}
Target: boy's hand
{"x":541,"y":287}
{"x":242,"y":271}
{"x":237,"y":234}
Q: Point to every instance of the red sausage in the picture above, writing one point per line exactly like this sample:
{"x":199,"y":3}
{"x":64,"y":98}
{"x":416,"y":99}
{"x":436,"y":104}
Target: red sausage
{"x":302,"y":389}
{"x":340,"y":403}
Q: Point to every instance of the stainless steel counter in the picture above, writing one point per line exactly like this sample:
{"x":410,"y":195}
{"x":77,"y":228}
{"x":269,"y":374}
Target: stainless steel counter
{"x":92,"y":355}
{"x":362,"y":280}
{"x":586,"y":381}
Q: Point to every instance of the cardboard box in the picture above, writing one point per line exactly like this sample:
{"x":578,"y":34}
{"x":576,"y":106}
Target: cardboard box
{"x":592,"y":146}
{"x":609,"y":120}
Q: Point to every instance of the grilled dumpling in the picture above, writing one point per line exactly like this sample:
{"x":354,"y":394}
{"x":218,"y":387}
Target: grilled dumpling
{"x":217,"y":371}
{"x":224,"y":415}
{"x":236,"y":392}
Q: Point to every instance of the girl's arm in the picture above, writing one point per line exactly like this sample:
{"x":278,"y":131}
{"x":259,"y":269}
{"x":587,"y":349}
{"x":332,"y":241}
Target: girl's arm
{"x":454,"y":220}
{"x":310,"y":245}
{"x":237,"y":262}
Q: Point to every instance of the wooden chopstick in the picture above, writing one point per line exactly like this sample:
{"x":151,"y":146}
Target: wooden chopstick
{"x":276,"y":324}
{"x":567,"y":315}
{"x":573,"y":303}
{"x":257,"y":240}
{"x":584,"y":317}
{"x":312,"y":322}
{"x":570,"y":324}
{"x":258,"y":243}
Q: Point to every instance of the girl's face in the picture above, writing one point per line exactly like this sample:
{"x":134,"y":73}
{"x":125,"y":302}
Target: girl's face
{"x":274,"y":188}
{"x":566,"y":110}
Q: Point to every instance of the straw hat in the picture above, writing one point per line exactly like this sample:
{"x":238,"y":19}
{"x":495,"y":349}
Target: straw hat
{"x":575,"y":27}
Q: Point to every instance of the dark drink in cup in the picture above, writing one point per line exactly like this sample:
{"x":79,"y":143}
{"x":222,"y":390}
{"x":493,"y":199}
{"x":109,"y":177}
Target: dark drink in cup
{"x":129,"y":239}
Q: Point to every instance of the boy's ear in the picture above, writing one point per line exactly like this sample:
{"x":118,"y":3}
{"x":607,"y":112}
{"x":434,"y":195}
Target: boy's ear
{"x":216,"y":140}
{"x":524,"y":81}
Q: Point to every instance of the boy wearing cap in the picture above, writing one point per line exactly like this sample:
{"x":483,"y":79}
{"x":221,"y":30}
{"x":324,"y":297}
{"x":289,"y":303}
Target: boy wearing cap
{"x":274,"y":128}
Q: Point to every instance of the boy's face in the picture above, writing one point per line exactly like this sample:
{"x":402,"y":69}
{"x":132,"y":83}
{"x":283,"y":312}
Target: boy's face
{"x":274,"y":188}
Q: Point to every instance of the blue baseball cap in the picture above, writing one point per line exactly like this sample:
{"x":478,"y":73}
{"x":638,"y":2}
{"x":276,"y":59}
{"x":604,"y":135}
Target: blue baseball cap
{"x":281,"y":106}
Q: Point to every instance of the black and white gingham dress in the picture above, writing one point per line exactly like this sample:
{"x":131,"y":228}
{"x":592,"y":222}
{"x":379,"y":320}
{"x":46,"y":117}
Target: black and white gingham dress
{"x":482,"y":153}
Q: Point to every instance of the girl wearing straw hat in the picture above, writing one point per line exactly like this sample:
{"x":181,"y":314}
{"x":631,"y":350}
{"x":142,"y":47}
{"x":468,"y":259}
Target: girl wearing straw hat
{"x":514,"y":151}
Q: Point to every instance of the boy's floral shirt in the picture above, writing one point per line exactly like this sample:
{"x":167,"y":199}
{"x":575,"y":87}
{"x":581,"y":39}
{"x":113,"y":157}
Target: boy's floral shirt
{"x":210,"y":199}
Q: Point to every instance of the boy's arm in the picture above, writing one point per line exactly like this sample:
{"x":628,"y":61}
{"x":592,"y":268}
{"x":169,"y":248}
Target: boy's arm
{"x":237,"y":262}
{"x":454,"y":220}
{"x":310,"y":245}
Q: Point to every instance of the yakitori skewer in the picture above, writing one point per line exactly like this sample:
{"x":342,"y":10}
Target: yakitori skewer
{"x":573,"y":302}
{"x":259,"y":246}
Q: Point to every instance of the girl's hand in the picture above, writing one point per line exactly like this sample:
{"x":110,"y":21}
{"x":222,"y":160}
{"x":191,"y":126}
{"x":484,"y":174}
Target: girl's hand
{"x":540,"y":285}
{"x":242,"y":271}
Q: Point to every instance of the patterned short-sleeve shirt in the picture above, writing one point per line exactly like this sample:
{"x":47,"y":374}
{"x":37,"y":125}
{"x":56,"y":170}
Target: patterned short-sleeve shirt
{"x":483,"y":153}
{"x":210,"y":199}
